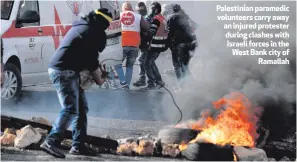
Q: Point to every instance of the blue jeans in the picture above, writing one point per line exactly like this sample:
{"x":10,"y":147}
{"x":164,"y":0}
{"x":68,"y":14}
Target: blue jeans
{"x":129,"y":53}
{"x":74,"y":108}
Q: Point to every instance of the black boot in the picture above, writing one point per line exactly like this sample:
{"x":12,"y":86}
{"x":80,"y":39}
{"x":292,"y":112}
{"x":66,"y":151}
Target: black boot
{"x":51,"y":149}
{"x":148,"y":87}
{"x":139,"y":83}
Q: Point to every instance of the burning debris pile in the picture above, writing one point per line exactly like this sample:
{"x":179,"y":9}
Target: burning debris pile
{"x":229,"y":132}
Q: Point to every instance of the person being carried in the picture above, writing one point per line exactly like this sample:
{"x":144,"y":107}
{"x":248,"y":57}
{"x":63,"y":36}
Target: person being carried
{"x":132,"y":23}
{"x":79,"y":51}
{"x":182,"y":41}
{"x":157,"y":38}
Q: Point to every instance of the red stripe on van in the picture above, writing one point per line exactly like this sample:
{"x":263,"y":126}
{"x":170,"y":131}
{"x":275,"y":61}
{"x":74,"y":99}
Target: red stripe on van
{"x":61,"y":30}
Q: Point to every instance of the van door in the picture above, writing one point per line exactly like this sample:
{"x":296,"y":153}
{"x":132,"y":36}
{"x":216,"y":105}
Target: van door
{"x":29,"y":47}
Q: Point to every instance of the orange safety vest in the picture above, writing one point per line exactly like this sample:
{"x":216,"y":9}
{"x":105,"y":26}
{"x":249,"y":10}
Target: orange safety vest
{"x":159,"y":41}
{"x":130,"y":23}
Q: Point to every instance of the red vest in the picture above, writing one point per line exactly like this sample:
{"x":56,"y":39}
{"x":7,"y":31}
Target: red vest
{"x":159,"y":41}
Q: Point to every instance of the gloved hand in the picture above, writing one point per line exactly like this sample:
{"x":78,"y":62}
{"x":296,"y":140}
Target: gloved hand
{"x":103,"y":71}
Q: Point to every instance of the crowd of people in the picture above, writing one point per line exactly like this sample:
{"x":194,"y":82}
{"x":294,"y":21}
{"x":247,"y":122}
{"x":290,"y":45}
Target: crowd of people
{"x":166,"y":26}
{"x":150,"y":33}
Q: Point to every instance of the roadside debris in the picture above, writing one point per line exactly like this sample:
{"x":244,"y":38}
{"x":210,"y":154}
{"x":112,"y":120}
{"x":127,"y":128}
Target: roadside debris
{"x":171,"y":150}
{"x":26,"y":136}
{"x":145,"y":148}
{"x":40,"y":120}
{"x":7,"y":139}
{"x":12,"y":122}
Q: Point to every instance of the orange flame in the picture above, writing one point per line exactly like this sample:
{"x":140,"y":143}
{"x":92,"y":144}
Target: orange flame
{"x":235,"y":125}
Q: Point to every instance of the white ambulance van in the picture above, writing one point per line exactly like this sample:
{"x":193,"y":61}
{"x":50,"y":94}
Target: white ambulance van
{"x":31,"y":31}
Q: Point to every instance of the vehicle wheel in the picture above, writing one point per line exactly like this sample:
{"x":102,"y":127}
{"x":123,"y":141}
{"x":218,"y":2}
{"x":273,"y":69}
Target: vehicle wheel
{"x":177,"y":135}
{"x":208,"y":152}
{"x":12,"y":86}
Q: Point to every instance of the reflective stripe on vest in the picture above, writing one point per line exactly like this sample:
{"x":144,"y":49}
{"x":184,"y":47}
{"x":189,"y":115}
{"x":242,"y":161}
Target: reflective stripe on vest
{"x":130,"y":23}
{"x":160,"y":39}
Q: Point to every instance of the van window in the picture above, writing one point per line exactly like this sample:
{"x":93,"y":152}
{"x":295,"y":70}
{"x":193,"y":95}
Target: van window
{"x":112,"y":6}
{"x":28,"y":5}
{"x":6,"y":7}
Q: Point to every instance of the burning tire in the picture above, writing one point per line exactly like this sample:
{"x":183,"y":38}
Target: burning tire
{"x":208,"y":152}
{"x":177,"y":135}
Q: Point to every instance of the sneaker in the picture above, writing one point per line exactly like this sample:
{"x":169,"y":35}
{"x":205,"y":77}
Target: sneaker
{"x":82,"y":151}
{"x":160,"y":85}
{"x":139,"y":83}
{"x":52,"y":150}
{"x":148,"y":87}
{"x":123,"y":85}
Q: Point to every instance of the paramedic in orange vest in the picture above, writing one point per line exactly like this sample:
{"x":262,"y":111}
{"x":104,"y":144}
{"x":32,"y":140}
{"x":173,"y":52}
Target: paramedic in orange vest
{"x":158,"y":43}
{"x":132,"y":23}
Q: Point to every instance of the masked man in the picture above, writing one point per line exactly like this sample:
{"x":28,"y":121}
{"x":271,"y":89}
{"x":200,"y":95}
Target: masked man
{"x":132,"y":23}
{"x":77,"y":52}
{"x":157,"y":37}
{"x":182,"y":40}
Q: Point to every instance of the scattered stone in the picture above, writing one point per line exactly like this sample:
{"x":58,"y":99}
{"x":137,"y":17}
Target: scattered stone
{"x":250,"y":154}
{"x":170,"y":150}
{"x":40,"y":120}
{"x":7,"y":139}
{"x":42,"y":131}
{"x":271,"y":159}
{"x":10,"y":131}
{"x":145,"y":148}
{"x":127,"y":149}
{"x":126,"y":140}
{"x":66,"y":143}
{"x":106,"y":136}
{"x":26,"y":136}
{"x":285,"y":159}
{"x":158,"y":148}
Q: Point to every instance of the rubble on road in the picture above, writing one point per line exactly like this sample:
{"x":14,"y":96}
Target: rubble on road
{"x":127,"y":149}
{"x":171,"y":150}
{"x":10,"y":130}
{"x":126,"y":140}
{"x":7,"y":139}
{"x":145,"y":148}
{"x":40,"y":120}
{"x":27,"y":136}
{"x":250,"y":154}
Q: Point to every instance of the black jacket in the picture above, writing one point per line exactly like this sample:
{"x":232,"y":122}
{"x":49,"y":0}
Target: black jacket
{"x":179,"y":29}
{"x":79,"y":49}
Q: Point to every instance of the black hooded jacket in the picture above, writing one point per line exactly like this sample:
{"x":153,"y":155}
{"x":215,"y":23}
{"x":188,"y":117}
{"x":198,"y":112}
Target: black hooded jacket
{"x":179,"y":28}
{"x":79,"y":49}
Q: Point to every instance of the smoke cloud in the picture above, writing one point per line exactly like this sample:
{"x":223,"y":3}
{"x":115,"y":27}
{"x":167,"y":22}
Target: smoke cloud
{"x":216,"y":72}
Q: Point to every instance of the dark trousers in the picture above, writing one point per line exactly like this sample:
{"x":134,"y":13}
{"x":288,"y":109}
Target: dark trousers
{"x":180,"y":59}
{"x":151,"y":68}
{"x":143,"y":53}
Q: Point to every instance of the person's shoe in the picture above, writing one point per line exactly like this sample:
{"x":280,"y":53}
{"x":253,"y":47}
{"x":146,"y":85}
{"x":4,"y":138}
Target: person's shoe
{"x":160,"y":85}
{"x":123,"y":85}
{"x":82,"y":151}
{"x":52,"y":150}
{"x":148,"y":87}
{"x":139,"y":83}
